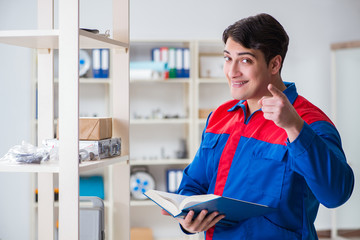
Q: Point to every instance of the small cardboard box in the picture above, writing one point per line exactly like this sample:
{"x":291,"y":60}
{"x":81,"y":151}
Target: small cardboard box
{"x":138,"y":233}
{"x":204,"y":113}
{"x":93,"y":128}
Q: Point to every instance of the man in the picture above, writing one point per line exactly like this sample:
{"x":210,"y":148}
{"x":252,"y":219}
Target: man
{"x":269,"y":145}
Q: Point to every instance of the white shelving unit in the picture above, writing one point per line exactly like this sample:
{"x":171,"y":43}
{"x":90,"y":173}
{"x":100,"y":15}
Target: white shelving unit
{"x":94,"y":97}
{"x":206,"y":87}
{"x":69,"y":39}
{"x":54,"y":167}
{"x":213,"y":90}
{"x":155,"y":139}
{"x":172,"y":97}
{"x":185,"y":95}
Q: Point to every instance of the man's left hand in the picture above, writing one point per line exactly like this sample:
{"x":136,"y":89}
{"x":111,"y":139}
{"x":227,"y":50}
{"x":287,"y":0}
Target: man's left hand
{"x":278,"y":109}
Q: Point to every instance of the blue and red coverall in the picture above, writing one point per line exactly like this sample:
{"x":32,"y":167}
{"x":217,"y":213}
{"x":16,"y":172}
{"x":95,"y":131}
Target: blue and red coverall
{"x":250,"y":158}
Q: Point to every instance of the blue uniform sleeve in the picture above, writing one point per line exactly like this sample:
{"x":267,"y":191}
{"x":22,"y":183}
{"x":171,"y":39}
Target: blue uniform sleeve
{"x":317,"y":155}
{"x":195,"y":180}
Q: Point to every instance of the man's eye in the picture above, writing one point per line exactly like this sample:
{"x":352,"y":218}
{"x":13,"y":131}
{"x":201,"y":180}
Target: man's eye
{"x":246,"y":60}
{"x":226,"y":58}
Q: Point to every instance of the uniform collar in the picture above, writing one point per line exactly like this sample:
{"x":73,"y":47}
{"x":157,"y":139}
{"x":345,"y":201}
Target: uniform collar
{"x":290,"y":92}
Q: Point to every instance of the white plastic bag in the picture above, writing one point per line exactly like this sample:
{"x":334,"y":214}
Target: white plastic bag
{"x":26,"y":153}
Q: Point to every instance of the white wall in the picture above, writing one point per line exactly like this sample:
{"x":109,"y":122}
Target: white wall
{"x":311,"y":25}
{"x":15,"y":79}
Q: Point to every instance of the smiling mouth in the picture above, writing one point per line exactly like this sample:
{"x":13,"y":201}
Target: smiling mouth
{"x":238,"y":83}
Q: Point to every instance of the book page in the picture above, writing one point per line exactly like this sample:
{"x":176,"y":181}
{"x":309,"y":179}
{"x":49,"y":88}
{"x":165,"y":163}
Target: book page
{"x":164,"y":203}
{"x":195,"y":199}
{"x":176,"y":199}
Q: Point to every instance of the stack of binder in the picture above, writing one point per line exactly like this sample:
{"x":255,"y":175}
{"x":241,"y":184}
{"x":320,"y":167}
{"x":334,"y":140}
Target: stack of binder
{"x":174,"y":177}
{"x":166,"y":62}
{"x":100,"y":60}
{"x":177,"y":61}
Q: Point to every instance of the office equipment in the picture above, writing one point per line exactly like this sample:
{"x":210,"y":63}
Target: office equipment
{"x":88,"y":150}
{"x":84,"y":62}
{"x":140,"y":181}
{"x":105,"y":148}
{"x":92,"y":224}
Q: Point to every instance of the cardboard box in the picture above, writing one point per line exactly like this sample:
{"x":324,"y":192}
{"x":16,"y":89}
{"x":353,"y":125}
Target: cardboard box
{"x":141,"y":234}
{"x":204,"y":113}
{"x":93,"y":128}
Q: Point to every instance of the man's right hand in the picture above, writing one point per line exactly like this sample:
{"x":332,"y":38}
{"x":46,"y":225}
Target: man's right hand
{"x":202,"y":222}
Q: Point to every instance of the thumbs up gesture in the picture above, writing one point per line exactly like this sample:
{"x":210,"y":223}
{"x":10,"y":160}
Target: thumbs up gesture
{"x":278,"y":109}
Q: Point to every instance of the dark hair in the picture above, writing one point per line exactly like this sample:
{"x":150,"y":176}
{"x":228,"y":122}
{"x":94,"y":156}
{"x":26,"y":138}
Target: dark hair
{"x":261,"y":32}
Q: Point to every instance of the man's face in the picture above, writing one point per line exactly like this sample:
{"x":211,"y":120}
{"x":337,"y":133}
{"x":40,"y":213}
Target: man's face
{"x":246,"y":70}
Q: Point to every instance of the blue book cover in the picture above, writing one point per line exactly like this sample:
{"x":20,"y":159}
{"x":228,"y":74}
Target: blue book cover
{"x":234,"y":210}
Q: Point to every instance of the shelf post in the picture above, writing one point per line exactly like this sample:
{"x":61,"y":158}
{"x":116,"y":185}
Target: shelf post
{"x":68,"y":120}
{"x":120,"y":174}
{"x":45,"y":59}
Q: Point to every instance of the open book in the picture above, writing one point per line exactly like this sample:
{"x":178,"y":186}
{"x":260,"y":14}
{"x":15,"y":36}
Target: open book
{"x":233,"y":209}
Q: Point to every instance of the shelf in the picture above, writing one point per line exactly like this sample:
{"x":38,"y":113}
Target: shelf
{"x":160,"y":121}
{"x":56,"y":204}
{"x":160,"y":162}
{"x":201,"y":120}
{"x":106,"y":81}
{"x":135,"y":203}
{"x":91,"y":165}
{"x":53,"y":167}
{"x":90,"y":80}
{"x":94,"y":80}
{"x":170,"y":80}
{"x":50,"y":39}
{"x":212,"y":80}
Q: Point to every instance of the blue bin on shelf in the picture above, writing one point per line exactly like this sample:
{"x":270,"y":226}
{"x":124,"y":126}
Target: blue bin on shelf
{"x":92,"y":186}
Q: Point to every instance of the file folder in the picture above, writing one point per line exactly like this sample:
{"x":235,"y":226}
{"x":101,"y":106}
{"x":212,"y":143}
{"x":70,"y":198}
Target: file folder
{"x":104,"y":63}
{"x":171,"y":65}
{"x":96,"y":63}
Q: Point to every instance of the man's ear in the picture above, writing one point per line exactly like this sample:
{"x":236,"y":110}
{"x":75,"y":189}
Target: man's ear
{"x":275,"y":64}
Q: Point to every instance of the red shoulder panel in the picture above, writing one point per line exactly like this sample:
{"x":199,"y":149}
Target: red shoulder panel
{"x":309,"y":112}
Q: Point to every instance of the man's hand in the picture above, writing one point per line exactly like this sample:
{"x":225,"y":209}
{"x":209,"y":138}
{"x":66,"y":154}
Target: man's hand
{"x":279,"y":110}
{"x":202,"y":222}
